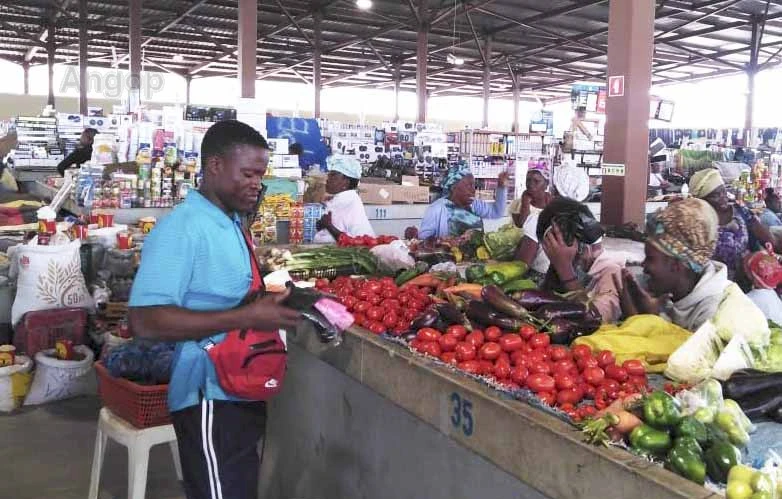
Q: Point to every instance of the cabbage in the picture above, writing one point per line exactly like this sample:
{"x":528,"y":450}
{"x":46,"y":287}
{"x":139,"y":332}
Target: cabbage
{"x":737,"y":315}
{"x":694,"y":360}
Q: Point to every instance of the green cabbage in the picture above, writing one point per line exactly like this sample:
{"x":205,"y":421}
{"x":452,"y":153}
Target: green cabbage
{"x":738,"y":316}
{"x":694,"y":360}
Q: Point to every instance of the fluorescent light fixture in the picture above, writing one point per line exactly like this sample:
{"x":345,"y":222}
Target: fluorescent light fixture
{"x":178,"y":58}
{"x":456,"y":61}
{"x":362,"y":74}
{"x":364,"y":4}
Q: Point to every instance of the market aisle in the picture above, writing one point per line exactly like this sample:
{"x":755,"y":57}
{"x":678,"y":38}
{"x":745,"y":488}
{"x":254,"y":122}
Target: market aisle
{"x":48,"y":454}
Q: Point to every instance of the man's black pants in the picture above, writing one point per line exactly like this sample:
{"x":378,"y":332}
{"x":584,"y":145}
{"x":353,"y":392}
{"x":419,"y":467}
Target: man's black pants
{"x":218,"y":446}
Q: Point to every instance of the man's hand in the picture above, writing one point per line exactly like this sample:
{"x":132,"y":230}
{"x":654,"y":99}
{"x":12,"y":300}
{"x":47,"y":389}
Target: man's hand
{"x":324,"y":222}
{"x":268,"y":313}
{"x":561,"y":255}
{"x":502,"y":179}
{"x":634,"y":299}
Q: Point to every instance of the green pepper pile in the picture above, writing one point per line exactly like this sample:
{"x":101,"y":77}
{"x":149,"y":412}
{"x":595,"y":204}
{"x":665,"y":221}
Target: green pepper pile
{"x":509,"y":276}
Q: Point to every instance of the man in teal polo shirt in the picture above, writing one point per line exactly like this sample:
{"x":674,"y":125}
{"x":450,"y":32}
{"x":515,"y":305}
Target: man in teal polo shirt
{"x":194,"y":273}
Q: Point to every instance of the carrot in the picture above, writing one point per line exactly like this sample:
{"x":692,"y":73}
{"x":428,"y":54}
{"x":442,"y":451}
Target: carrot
{"x":473,"y":290}
{"x":424,"y":280}
{"x":627,"y":422}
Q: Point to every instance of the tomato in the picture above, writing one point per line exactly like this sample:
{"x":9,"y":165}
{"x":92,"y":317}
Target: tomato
{"x":519,"y":375}
{"x":465,"y":351}
{"x":487,"y":367}
{"x":374,"y":287}
{"x":569,"y":396}
{"x":538,"y":355}
{"x":470,"y":366}
{"x":617,"y":373}
{"x":377,"y":328}
{"x":359,"y":318}
{"x":502,"y":369}
{"x":540,"y":340}
{"x":403,"y":298}
{"x":417,"y":304}
{"x":504,"y":356}
{"x":476,"y":338}
{"x":558,"y":352}
{"x":449,"y":358}
{"x":548,"y":398}
{"x":489,"y":351}
{"x":375,"y":299}
{"x":431,"y":348}
{"x":539,"y":367}
{"x":511,"y":342}
{"x":428,"y":334}
{"x":605,"y":358}
{"x":634,"y":367}
{"x":321,"y":283}
{"x":410,"y":314}
{"x":586,"y":362}
{"x":402,"y":322}
{"x":415,"y":343}
{"x":587,"y":389}
{"x":564,"y":381}
{"x":390,"y":304}
{"x":376,"y":313}
{"x":594,"y":375}
{"x":565,"y":366}
{"x":540,"y":382}
{"x":639,"y":381}
{"x":362,"y":294}
{"x":362,"y":306}
{"x":580,"y":351}
{"x":388,"y":282}
{"x":448,"y":342}
{"x":516,"y":357}
{"x":425,"y":290}
{"x":459,"y":331}
{"x":349,"y":302}
{"x":389,"y":293}
{"x":492,"y":333}
{"x":610,"y":385}
{"x":391,"y":320}
{"x":399,"y":330}
{"x":527,"y":331}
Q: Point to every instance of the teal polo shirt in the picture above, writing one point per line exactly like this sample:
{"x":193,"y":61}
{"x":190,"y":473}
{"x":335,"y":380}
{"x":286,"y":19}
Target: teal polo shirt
{"x":195,"y":258}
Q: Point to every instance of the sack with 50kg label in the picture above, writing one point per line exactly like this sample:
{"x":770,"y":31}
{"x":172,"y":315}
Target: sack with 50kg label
{"x":48,"y":277}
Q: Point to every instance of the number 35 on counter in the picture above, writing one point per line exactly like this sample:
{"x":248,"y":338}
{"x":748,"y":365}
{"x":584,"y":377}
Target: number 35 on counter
{"x":461,"y":414}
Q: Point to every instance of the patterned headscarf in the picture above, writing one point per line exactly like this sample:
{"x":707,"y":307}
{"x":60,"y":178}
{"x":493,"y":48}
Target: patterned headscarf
{"x":685,"y":230}
{"x":764,"y":269}
{"x":705,"y":182}
{"x":454,"y":175}
{"x":542,"y":169}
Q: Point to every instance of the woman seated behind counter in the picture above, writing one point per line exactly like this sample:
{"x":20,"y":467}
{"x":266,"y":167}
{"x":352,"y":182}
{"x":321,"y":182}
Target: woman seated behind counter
{"x":345,"y":212}
{"x":457,"y":211}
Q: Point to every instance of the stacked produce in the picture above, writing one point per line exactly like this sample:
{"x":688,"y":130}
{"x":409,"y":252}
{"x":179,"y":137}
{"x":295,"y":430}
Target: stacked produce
{"x":346,"y":241}
{"x":321,"y":261}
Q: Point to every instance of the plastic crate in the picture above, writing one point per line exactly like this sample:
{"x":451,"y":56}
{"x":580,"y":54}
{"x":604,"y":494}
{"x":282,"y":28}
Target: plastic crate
{"x":40,"y":330}
{"x":140,"y":405}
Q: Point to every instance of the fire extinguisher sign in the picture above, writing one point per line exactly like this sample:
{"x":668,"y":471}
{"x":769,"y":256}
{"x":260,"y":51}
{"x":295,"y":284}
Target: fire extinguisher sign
{"x":616,"y":86}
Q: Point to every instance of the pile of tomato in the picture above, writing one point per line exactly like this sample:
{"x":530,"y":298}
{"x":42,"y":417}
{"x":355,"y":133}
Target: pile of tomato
{"x":379,"y":304}
{"x":560,"y":376}
{"x":346,"y":241}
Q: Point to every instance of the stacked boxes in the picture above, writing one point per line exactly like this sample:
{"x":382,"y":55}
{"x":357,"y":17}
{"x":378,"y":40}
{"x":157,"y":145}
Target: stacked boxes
{"x":312,"y":213}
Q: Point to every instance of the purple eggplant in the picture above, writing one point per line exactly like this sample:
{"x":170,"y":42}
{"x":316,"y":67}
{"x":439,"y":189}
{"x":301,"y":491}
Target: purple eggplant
{"x":428,"y":319}
{"x":572,"y":311}
{"x":533,"y":299}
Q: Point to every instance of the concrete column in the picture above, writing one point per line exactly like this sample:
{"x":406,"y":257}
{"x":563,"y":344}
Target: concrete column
{"x":630,"y":50}
{"x":26,"y":69}
{"x":516,"y":99}
{"x":248,"y":46}
{"x":752,"y":70}
{"x":188,"y":81}
{"x":51,"y":49}
{"x":317,"y":80}
{"x":83,"y":45}
{"x":134,"y":49}
{"x":486,"y":81}
{"x":421,"y":59}
{"x":397,"y":88}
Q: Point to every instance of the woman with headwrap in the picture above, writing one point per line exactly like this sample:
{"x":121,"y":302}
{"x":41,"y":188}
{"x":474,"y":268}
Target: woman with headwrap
{"x":345,"y":213}
{"x":534,"y":198}
{"x":739,"y":230}
{"x":569,"y":181}
{"x":457,"y":211}
{"x":685,"y":285}
{"x":572,"y":239}
{"x":765,"y":271}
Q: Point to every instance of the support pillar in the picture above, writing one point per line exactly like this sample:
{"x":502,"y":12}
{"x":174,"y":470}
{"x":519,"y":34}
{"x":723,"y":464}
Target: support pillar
{"x":516,"y":99}
{"x":188,"y":81}
{"x":134,"y":50}
{"x":486,"y":81}
{"x":630,"y":50}
{"x":51,"y":50}
{"x":26,"y":70}
{"x":317,"y":80}
{"x":248,"y":47}
{"x":83,"y":44}
{"x":421,"y":59}
{"x":752,"y":70}
{"x":397,"y":88}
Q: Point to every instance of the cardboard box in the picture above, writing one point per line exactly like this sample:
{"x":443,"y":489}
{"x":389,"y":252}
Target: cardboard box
{"x":410,"y":180}
{"x":376,"y":193}
{"x":410,"y":194}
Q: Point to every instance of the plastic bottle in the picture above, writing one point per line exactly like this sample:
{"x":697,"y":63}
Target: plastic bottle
{"x":685,"y":191}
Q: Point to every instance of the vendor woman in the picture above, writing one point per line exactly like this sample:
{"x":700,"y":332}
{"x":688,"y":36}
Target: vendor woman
{"x":534,"y":198}
{"x":457,"y":211}
{"x":345,"y":212}
{"x":739,"y":230}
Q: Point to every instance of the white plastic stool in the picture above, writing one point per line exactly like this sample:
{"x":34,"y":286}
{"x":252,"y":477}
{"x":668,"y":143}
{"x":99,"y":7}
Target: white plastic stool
{"x":138,"y":443}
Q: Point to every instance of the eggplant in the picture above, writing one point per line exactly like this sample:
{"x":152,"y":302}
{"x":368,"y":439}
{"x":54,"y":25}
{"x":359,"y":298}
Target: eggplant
{"x":450,"y":314}
{"x":760,"y":403}
{"x":507,"y":323}
{"x":561,"y":331}
{"x":482,"y":314}
{"x":428,"y":319}
{"x":572,"y":311}
{"x":408,"y":337}
{"x":744,"y":385}
{"x":534,"y":299}
{"x":502,"y":303}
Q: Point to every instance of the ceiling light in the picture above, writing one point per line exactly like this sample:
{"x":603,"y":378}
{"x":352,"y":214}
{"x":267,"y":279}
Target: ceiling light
{"x":364,"y":4}
{"x":178,"y":58}
{"x":456,"y":61}
{"x":362,"y":74}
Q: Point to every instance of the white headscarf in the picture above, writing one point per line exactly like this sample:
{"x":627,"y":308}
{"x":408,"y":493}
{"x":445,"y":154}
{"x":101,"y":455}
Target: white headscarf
{"x":571,"y":181}
{"x":346,"y":165}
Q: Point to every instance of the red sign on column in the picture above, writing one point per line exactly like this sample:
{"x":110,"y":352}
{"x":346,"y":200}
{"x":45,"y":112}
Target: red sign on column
{"x":601,"y":102}
{"x":616,"y":86}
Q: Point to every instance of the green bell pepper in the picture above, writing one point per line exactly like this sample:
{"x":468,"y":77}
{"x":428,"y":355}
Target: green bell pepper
{"x":689,"y":426}
{"x":497,"y":278}
{"x":647,"y":440}
{"x":685,"y":459}
{"x":519,"y":285}
{"x":475,"y":272}
{"x":662,"y":411}
{"x":720,"y":458}
{"x":510,"y":270}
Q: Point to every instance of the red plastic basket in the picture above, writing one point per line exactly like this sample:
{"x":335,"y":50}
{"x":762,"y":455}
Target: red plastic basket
{"x":140,"y":405}
{"x":40,"y":330}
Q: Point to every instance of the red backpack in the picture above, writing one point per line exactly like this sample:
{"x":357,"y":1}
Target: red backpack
{"x":250,"y":364}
